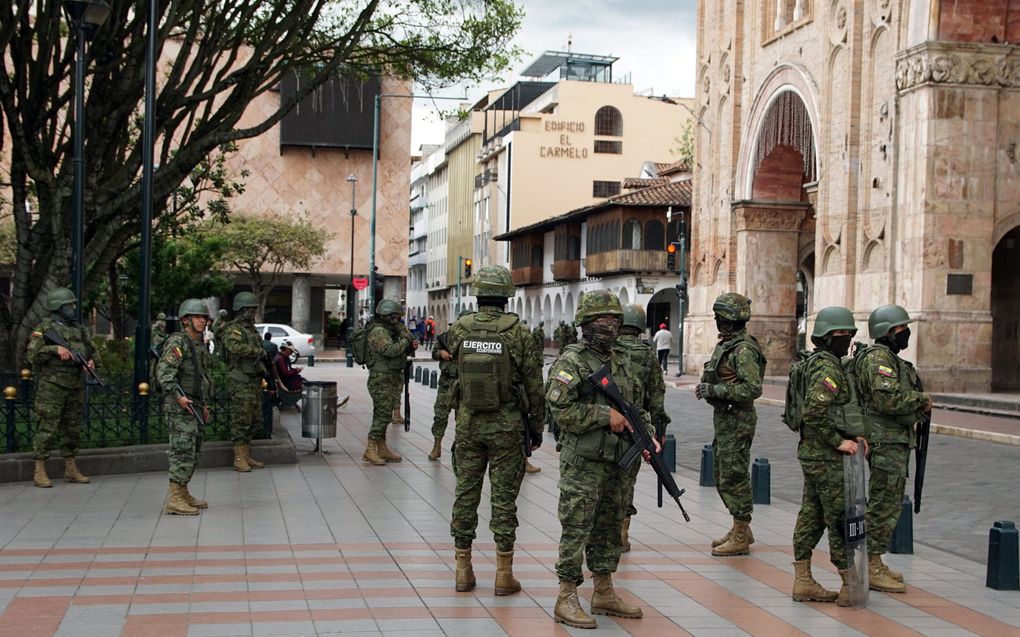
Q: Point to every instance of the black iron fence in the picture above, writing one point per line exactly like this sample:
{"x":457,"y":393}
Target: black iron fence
{"x":113,"y":416}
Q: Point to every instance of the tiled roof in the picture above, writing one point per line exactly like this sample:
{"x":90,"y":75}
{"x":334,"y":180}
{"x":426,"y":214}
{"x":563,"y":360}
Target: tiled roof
{"x":643,"y":182}
{"x":663,"y":170}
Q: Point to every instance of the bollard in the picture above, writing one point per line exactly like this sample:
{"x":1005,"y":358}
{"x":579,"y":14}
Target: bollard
{"x":424,"y":380}
{"x":902,"y":541}
{"x":669,"y":453}
{"x":311,"y":360}
{"x":434,"y":379}
{"x":707,"y":478}
{"x":761,"y":481}
{"x":417,"y":373}
{"x":1002,"y":557}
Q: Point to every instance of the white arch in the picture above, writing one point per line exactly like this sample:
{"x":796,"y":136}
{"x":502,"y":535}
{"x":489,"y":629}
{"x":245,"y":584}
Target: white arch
{"x":546,"y":312}
{"x":558,"y":309}
{"x":527,"y":312}
{"x":568,"y":308}
{"x":624,"y":296}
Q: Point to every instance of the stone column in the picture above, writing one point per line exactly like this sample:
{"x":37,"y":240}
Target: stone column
{"x":301,"y":302}
{"x":766,"y":242}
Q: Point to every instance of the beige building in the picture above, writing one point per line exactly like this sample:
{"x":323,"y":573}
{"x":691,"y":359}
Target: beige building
{"x":859,"y":153}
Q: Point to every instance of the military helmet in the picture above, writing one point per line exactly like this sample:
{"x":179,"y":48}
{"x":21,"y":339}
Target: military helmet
{"x":732,"y":307}
{"x":493,"y":280}
{"x":193,"y":307}
{"x":221,"y":313}
{"x":634,"y":316}
{"x":58,"y":298}
{"x":834,"y":318}
{"x":595,"y":304}
{"x":161,"y":316}
{"x":387,"y":307}
{"x":886,"y":317}
{"x":245,"y":299}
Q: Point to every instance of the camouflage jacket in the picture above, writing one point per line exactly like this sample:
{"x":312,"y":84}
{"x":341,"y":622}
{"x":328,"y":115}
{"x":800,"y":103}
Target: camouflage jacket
{"x":735,"y":371}
{"x":889,"y":387}
{"x":539,"y":335}
{"x":446,"y":368}
{"x":389,"y":346}
{"x":827,"y":391}
{"x":242,"y":349}
{"x":185,"y":362}
{"x":42,"y":354}
{"x":646,"y":364}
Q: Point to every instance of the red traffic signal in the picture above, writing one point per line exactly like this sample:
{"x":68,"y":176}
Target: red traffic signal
{"x":467,"y":268}
{"x":671,"y":257}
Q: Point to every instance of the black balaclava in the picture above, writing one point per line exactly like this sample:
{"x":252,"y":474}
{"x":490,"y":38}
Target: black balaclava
{"x":600,"y":334}
{"x":838,"y":345}
{"x":728,"y":328}
{"x":66,"y":312}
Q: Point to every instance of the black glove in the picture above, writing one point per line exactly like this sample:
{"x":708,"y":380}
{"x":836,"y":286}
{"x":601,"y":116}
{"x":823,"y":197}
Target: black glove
{"x":536,"y":440}
{"x":704,"y":390}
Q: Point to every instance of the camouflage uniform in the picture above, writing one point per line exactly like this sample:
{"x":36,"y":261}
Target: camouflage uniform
{"x":389,"y":345}
{"x":184,"y":362}
{"x":444,"y":395}
{"x":539,"y":335}
{"x":241,"y":348}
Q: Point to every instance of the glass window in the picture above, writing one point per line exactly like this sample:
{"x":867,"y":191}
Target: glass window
{"x":609,"y":121}
{"x":632,"y":235}
{"x":654,"y":235}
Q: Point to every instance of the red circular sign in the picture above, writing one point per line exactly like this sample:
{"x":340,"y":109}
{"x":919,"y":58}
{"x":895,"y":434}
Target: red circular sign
{"x":360,"y":283}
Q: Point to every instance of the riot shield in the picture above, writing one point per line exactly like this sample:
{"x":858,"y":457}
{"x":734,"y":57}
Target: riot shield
{"x":855,"y":495}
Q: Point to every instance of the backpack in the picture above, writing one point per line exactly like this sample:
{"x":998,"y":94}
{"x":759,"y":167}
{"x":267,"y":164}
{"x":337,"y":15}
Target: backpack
{"x":796,"y":390}
{"x":855,"y":419}
{"x":359,"y":343}
{"x":484,"y":365}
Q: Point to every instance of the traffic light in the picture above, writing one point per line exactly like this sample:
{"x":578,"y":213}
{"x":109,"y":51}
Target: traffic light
{"x":671,"y":257}
{"x":681,"y":290}
{"x":467,"y":268}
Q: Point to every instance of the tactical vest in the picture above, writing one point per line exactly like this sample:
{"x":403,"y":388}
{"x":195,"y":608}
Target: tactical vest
{"x":248,"y":365}
{"x":716,"y":374}
{"x":379,"y":363}
{"x":890,"y":428}
{"x":601,"y":445}
{"x":193,"y":374}
{"x":484,"y":364}
{"x":49,"y":366}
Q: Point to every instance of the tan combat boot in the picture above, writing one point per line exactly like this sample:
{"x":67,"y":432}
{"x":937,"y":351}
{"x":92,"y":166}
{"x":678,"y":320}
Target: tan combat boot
{"x":388,"y":454}
{"x":372,"y":453}
{"x":240,"y":460}
{"x":896,"y":575}
{"x":843,"y":599}
{"x":397,"y":418}
{"x":605,"y":601}
{"x":192,"y":500}
{"x":252,"y":462}
{"x":465,"y":575}
{"x":71,"y":473}
{"x":805,"y":588}
{"x":437,"y":449}
{"x":176,"y":503}
{"x":39,"y":477}
{"x":880,"y":580}
{"x":568,"y":608}
{"x":506,"y":584}
{"x":625,"y":535}
{"x":530,"y":468}
{"x":725,"y":538}
{"x":738,"y":543}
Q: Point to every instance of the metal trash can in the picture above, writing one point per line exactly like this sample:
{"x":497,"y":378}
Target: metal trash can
{"x":318,"y":409}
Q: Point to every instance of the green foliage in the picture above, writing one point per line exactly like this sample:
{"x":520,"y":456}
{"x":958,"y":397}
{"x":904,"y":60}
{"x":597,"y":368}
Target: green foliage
{"x":183,"y":267}
{"x":683,"y":148}
{"x":116,"y":357}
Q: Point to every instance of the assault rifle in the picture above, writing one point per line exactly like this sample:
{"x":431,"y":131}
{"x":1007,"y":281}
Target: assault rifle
{"x":660,"y":435}
{"x":191,"y":406}
{"x":526,"y":419}
{"x":52,"y":336}
{"x":603,"y":382}
{"x":407,"y":393}
{"x":921,"y":452}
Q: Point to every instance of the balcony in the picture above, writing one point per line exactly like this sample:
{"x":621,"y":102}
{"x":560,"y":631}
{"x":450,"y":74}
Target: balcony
{"x":419,"y":230}
{"x":615,"y":261}
{"x":417,"y":259}
{"x":566,"y":270}
{"x":527,"y":276}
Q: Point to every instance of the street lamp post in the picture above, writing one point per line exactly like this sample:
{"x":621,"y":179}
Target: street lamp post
{"x":682,"y":292}
{"x":353,"y":180}
{"x":85,"y":16}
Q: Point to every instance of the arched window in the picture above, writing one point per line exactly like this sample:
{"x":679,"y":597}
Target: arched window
{"x":632,"y":235}
{"x":654,"y":239}
{"x":609,"y":121}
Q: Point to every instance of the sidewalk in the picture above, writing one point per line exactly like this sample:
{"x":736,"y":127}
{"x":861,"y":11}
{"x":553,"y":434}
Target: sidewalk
{"x":334,"y":546}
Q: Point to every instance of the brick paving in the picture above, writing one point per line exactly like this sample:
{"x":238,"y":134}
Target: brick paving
{"x":334,"y":546}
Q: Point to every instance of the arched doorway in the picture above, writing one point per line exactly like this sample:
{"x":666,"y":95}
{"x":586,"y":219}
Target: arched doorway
{"x":568,"y":309}
{"x":664,"y":307}
{"x":1006,"y":313}
{"x":557,"y":310}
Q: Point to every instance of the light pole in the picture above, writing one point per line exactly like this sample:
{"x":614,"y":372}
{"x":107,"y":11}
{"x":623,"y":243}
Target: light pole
{"x":681,"y":290}
{"x":85,"y":16}
{"x":353,"y":180}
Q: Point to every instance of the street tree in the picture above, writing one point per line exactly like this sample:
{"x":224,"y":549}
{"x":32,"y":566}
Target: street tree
{"x":216,"y":57}
{"x":263,"y":247}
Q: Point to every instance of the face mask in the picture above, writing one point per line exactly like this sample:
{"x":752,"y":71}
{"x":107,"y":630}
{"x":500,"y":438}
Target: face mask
{"x":724,"y":326}
{"x":902,"y":339}
{"x":840,"y":345}
{"x":601,"y":334}
{"x":66,"y":312}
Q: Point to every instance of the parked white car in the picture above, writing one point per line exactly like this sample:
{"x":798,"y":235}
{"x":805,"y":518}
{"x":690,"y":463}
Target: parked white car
{"x":303,"y":343}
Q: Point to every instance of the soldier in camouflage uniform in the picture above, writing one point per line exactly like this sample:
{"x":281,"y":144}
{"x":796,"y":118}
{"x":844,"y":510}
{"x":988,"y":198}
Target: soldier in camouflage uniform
{"x":443,"y":405}
{"x":730,"y":384}
{"x":539,"y":335}
{"x":498,"y":393}
{"x":242,"y":351}
{"x":823,"y":441}
{"x":389,"y":345}
{"x":59,"y":394}
{"x":889,"y":386}
{"x":591,"y":504}
{"x":652,"y":400}
{"x":182,"y":374}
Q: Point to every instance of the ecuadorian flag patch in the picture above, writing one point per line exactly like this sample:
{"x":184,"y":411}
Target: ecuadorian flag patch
{"x":178,"y":353}
{"x":564,"y":377}
{"x":830,"y":385}
{"x":886,"y":371}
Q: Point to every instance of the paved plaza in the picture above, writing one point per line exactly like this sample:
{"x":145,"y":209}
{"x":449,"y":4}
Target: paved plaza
{"x":332,"y":545}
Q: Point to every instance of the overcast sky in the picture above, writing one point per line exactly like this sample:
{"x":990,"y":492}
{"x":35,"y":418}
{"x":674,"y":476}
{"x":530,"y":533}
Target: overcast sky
{"x":653,"y":39}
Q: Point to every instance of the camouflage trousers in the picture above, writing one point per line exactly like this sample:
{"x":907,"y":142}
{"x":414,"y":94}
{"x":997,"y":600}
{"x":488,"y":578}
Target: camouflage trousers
{"x":443,"y":406}
{"x":59,"y":410}
{"x":629,"y":481}
{"x":185,"y":440}
{"x":821,"y":508}
{"x":245,"y":409}
{"x":591,"y":511}
{"x":888,"y":464}
{"x":385,"y":389}
{"x":734,"y":433}
{"x":503,"y":454}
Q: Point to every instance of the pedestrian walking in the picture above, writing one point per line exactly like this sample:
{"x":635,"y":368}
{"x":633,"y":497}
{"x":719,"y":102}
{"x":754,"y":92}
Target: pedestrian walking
{"x":245,"y":358}
{"x":182,"y":376}
{"x":389,"y":345}
{"x":59,"y":393}
{"x":499,"y":372}
{"x":663,"y":340}
{"x":730,"y":383}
